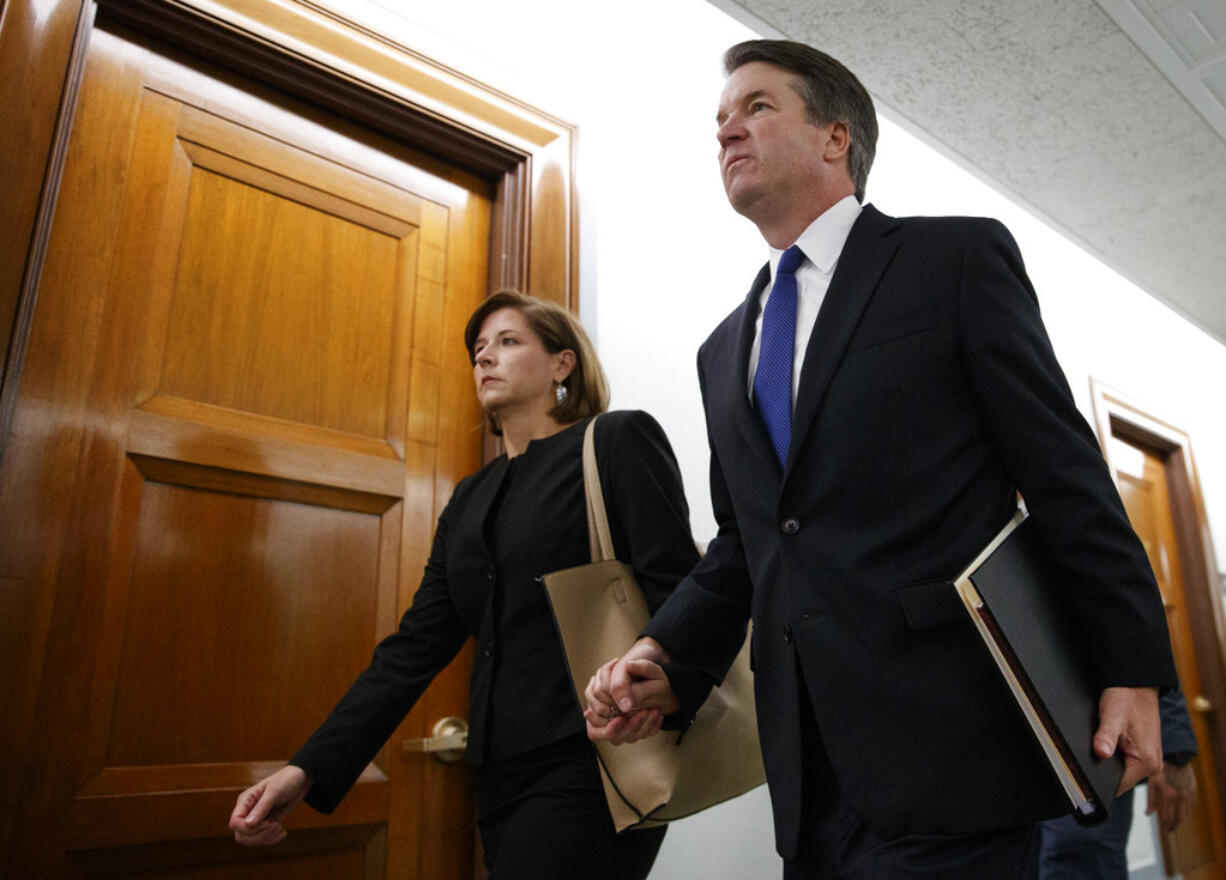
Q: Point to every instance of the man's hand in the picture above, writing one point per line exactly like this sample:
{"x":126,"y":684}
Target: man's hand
{"x":1128,"y":721}
{"x":1172,"y":793}
{"x":629,"y":696}
{"x":259,"y":811}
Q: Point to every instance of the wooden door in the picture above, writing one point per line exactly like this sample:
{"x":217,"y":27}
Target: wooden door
{"x":244,"y":401}
{"x":1197,"y":849}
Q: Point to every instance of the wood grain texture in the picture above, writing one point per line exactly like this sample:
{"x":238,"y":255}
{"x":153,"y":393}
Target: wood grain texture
{"x":251,"y":395}
{"x":41,"y":49}
{"x":302,"y":50}
{"x":93,"y":430}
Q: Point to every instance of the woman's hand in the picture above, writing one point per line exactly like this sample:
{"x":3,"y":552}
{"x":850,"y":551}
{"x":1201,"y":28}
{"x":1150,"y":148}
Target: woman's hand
{"x":259,"y":811}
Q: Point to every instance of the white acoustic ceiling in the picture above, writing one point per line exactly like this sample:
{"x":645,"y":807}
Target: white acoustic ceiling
{"x":1119,"y":136}
{"x":1186,"y":40}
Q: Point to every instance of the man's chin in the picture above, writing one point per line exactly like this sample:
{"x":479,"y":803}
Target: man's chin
{"x":742,"y":198}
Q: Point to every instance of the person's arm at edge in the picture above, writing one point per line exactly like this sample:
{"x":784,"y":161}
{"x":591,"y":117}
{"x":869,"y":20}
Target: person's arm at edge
{"x":1172,"y":791}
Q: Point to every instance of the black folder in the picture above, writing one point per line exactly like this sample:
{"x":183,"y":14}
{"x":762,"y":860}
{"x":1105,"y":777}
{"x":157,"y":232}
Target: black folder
{"x":1015,"y":597}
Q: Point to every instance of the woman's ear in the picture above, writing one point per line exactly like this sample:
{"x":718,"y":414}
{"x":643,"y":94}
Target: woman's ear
{"x":564,"y":365}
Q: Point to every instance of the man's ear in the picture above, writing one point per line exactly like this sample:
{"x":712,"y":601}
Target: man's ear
{"x":838,"y":142}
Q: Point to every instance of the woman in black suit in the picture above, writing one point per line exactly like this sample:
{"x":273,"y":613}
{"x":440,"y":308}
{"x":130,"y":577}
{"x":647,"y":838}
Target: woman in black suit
{"x":541,"y":806}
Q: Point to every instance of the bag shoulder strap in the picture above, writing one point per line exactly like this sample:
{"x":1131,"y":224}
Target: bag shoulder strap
{"x":599,"y":539}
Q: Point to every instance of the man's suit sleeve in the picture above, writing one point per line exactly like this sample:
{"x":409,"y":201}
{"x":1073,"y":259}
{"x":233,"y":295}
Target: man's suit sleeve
{"x":649,"y":519}
{"x":1054,"y":459}
{"x":703,"y":623}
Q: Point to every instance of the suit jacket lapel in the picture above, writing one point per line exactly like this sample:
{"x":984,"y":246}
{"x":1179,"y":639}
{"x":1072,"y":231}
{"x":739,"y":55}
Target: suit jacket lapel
{"x":752,"y":428}
{"x":864,"y":259}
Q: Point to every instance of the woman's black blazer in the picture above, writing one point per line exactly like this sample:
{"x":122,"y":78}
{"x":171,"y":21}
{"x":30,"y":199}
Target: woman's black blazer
{"x":649,"y":520}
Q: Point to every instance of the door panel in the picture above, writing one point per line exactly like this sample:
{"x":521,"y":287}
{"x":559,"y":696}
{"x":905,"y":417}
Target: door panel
{"x":340,"y":852}
{"x":1197,"y":848}
{"x":244,"y":402}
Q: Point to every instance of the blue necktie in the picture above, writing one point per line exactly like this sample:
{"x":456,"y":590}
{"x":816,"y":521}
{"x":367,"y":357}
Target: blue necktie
{"x":772,"y":381}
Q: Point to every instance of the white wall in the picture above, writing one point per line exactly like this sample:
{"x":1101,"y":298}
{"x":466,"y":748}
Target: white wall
{"x":663,"y":258}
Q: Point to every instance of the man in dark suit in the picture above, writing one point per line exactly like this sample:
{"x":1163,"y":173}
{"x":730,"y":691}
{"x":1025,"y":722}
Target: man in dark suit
{"x":873,"y":409}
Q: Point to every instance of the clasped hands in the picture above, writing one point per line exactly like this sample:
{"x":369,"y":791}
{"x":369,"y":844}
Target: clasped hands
{"x":628,"y":697}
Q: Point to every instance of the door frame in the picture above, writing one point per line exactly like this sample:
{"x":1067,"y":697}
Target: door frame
{"x":1116,"y":415}
{"x":309,"y":52}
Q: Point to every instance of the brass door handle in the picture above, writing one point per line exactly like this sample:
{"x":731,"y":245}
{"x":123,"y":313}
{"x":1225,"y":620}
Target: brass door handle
{"x":1201,"y":705}
{"x":449,"y":739}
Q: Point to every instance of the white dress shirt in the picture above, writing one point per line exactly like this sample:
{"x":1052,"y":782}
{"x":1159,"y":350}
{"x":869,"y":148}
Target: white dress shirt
{"x":821,"y":243}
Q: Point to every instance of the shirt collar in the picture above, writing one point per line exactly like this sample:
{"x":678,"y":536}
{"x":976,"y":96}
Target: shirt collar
{"x":823,"y":240}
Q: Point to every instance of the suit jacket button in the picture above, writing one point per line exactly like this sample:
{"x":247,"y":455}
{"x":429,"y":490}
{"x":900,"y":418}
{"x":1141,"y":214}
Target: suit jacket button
{"x":489,"y":649}
{"x":790,"y":526}
{"x":787,"y":634}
